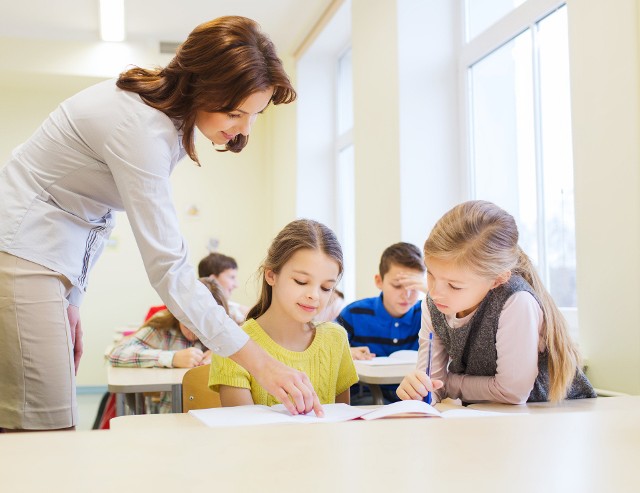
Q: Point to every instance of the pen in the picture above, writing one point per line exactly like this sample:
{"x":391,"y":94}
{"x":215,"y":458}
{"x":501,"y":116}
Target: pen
{"x":428,"y":398}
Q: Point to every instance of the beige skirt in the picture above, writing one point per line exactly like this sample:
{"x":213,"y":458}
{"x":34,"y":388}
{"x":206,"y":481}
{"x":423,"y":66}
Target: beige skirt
{"x":37,"y":377}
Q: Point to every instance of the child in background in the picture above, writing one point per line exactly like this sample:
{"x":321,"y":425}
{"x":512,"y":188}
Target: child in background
{"x":497,"y":333}
{"x":224,"y":269}
{"x":302,"y":267}
{"x":165,"y":342}
{"x":389,"y":322}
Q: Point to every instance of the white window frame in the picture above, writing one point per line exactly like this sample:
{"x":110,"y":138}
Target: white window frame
{"x":519,"y":20}
{"x":342,"y":141}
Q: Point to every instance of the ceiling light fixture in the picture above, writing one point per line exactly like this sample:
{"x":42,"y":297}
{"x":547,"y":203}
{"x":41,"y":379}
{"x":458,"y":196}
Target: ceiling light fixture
{"x":112,"y":20}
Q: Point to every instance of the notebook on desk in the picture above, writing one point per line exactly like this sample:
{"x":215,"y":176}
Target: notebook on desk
{"x":402,"y":357}
{"x":258,"y":415}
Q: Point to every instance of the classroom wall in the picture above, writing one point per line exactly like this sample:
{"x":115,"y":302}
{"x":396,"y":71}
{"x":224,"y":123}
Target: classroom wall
{"x":406,"y":124}
{"x":431,"y":178}
{"x":376,"y":137}
{"x":605,"y":85}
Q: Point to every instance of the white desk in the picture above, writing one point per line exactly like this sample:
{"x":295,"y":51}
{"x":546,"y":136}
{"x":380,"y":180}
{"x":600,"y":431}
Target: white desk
{"x":136,"y":381}
{"x":374,"y":376}
{"x":599,"y":405}
{"x":595,"y":451}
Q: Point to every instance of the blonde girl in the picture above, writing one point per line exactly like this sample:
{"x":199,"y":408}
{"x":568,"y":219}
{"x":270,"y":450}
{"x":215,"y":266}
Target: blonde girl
{"x":497,"y":333}
{"x":301,"y":270}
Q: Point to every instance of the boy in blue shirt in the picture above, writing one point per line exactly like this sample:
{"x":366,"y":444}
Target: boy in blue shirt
{"x":389,"y":322}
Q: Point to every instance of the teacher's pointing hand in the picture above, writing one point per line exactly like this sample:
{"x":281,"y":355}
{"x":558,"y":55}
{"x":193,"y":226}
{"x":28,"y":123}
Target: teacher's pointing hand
{"x":291,"y":387}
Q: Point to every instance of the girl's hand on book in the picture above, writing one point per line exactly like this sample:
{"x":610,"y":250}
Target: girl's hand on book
{"x":291,"y":387}
{"x":416,"y":385}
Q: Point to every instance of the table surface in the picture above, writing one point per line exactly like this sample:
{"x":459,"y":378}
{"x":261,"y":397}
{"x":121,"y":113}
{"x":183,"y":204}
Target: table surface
{"x":602,"y":404}
{"x":593,"y":450}
{"x":133,"y":380}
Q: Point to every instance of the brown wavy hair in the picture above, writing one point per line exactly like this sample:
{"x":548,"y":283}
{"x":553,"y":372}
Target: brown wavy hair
{"x":482,"y":237}
{"x":221,"y":63}
{"x":298,"y":234}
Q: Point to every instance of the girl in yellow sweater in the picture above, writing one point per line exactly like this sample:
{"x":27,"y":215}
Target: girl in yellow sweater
{"x":302,"y":267}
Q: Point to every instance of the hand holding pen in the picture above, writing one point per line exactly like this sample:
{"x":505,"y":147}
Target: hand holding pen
{"x":418,"y":385}
{"x":429,"y":398}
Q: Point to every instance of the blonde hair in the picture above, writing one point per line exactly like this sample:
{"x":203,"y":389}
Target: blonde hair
{"x":480,"y":236}
{"x":164,"y":320}
{"x":297,"y":235}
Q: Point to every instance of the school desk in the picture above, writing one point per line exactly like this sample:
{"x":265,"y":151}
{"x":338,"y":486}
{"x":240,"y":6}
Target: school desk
{"x":601,"y":404}
{"x":137,"y":381}
{"x":374,"y":376}
{"x":586,"y":452}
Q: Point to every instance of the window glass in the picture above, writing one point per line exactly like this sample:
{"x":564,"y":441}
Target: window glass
{"x":345,"y":93}
{"x":557,"y":157}
{"x":502,"y":131}
{"x":345,"y":185}
{"x":521,"y":154}
{"x":344,"y":174}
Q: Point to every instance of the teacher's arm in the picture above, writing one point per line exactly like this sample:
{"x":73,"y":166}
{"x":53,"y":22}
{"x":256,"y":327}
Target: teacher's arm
{"x":140,"y":154}
{"x":291,"y":387}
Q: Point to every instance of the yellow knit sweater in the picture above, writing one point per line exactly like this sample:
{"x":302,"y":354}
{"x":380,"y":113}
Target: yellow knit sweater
{"x":327,"y":362}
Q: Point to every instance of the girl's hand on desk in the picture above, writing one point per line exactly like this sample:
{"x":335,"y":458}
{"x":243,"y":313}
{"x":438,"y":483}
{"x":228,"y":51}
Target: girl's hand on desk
{"x":188,"y":358}
{"x":359,"y":353}
{"x":416,"y":385}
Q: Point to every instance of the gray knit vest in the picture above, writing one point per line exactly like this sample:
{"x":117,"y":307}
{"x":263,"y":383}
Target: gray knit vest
{"x":472,"y":347}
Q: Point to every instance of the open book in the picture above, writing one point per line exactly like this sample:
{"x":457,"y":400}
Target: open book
{"x":257,"y":415}
{"x":402,"y":357}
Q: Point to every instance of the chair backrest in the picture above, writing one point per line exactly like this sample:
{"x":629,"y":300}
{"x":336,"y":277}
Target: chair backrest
{"x":196,"y":393}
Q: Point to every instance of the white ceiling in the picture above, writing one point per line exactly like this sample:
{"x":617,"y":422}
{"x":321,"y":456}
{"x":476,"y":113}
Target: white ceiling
{"x":286,"y":21}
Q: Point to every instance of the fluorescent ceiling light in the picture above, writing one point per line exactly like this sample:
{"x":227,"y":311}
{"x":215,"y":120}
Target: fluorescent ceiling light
{"x":112,"y":20}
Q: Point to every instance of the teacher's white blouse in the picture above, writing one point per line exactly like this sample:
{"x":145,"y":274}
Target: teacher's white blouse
{"x":105,"y":150}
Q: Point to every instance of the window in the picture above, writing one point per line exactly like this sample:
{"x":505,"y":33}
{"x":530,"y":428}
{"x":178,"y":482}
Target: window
{"x":520,"y":134}
{"x":325,"y":136}
{"x":345,"y":185}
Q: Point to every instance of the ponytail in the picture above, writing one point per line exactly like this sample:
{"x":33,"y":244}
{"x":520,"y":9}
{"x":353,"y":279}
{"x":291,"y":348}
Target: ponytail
{"x":564,"y":358}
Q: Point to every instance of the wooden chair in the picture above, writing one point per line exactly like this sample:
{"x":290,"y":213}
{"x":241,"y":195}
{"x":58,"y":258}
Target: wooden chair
{"x":196,"y":393}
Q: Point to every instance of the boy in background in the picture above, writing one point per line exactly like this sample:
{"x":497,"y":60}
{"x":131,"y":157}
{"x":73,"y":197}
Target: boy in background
{"x":224,"y":269}
{"x":389,"y":322}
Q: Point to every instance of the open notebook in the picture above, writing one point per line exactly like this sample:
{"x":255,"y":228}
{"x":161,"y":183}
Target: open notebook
{"x":258,"y":415}
{"x":402,"y":357}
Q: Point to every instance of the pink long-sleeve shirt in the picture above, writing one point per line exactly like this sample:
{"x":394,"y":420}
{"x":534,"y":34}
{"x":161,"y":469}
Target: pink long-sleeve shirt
{"x":518,"y":341}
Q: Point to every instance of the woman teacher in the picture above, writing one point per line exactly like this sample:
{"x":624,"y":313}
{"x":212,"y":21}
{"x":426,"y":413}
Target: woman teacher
{"x":113,"y":147}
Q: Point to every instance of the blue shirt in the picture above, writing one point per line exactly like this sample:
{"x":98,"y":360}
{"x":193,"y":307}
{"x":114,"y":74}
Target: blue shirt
{"x":368,"y":323}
